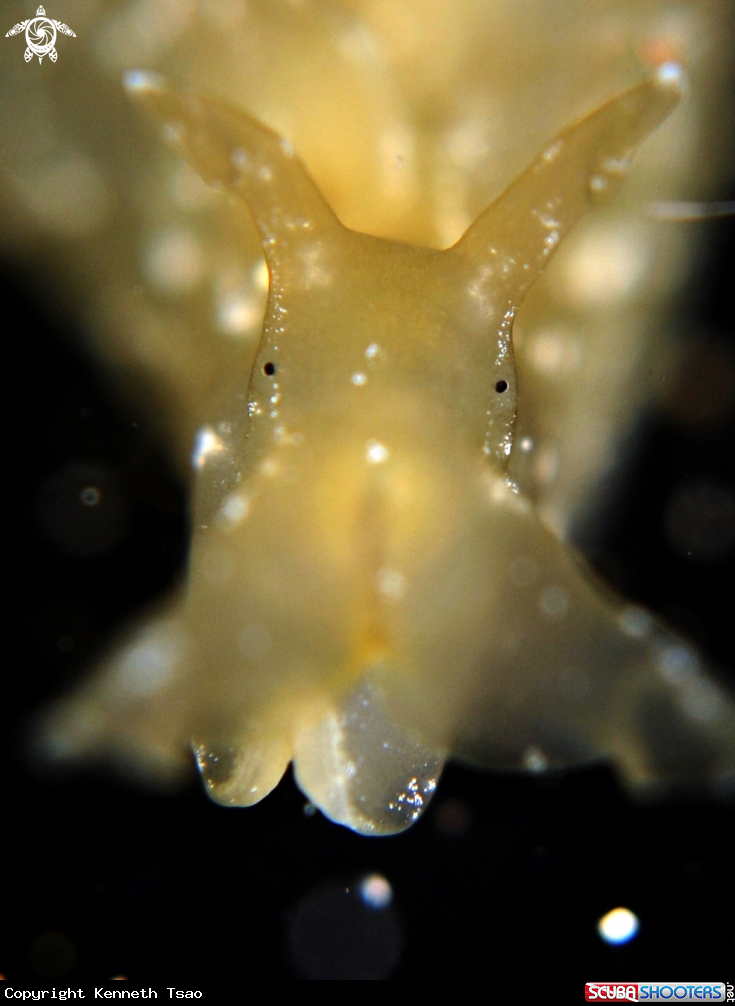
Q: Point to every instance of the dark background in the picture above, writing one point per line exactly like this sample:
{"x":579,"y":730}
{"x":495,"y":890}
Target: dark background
{"x":504,"y":877}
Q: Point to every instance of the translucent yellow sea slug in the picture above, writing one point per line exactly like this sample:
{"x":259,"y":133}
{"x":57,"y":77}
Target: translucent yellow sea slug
{"x":369,"y":591}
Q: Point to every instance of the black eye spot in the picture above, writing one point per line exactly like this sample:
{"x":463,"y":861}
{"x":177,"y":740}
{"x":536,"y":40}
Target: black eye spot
{"x":269,"y":369}
{"x":501,"y":386}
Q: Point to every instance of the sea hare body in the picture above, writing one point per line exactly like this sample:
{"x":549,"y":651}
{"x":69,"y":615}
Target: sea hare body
{"x":369,"y":590}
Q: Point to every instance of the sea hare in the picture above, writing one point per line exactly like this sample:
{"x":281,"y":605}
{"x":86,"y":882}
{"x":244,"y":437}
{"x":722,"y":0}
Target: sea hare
{"x":369,"y":591}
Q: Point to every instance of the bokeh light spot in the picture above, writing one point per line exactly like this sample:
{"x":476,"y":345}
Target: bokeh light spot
{"x":618,"y":926}
{"x":376,"y":892}
{"x":83,"y":509}
{"x":337,"y":934}
{"x":52,"y":955}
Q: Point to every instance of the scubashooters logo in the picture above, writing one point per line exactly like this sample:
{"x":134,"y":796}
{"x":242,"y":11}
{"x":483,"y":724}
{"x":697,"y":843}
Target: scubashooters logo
{"x":657,"y":992}
{"x":40,"y":35}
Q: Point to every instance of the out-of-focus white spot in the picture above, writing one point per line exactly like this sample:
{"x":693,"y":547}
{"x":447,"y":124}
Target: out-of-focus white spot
{"x":90,"y":496}
{"x":496,"y":488}
{"x":554,"y":351}
{"x":233,"y":511}
{"x":391,"y":584}
{"x":254,"y":642}
{"x":604,"y":266}
{"x":468,"y":142}
{"x":270,"y":468}
{"x":534,"y":760}
{"x":551,"y":153}
{"x":635,"y":622}
{"x":143,"y":80}
{"x":356,"y":42}
{"x":554,"y":602}
{"x":174,"y":262}
{"x":700,"y":699}
{"x":239,"y":159}
{"x":375,"y":452}
{"x":69,"y":197}
{"x":503,"y":492}
{"x":149,"y":663}
{"x":525,"y":444}
{"x":618,"y":926}
{"x":375,"y":891}
{"x":523,"y":571}
{"x":556,"y":519}
{"x":676,"y":663}
{"x":282,"y":436}
{"x":315,"y":271}
{"x":358,"y":378}
{"x":547,"y":464}
{"x":67,"y":739}
{"x":238,"y":314}
{"x":481,"y":291}
{"x":373,"y":351}
{"x":617,"y":165}
{"x":206,"y":443}
{"x":295,"y":223}
{"x":671,"y":75}
{"x":239,"y":305}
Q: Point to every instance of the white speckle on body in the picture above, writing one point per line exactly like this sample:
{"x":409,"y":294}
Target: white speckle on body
{"x":676,"y":664}
{"x":233,"y":512}
{"x":635,"y":622}
{"x":535,"y":761}
{"x":554,"y":602}
{"x":605,"y":266}
{"x":174,"y":261}
{"x":391,"y":584}
{"x":375,"y":452}
{"x":149,"y":663}
{"x":206,"y":444}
